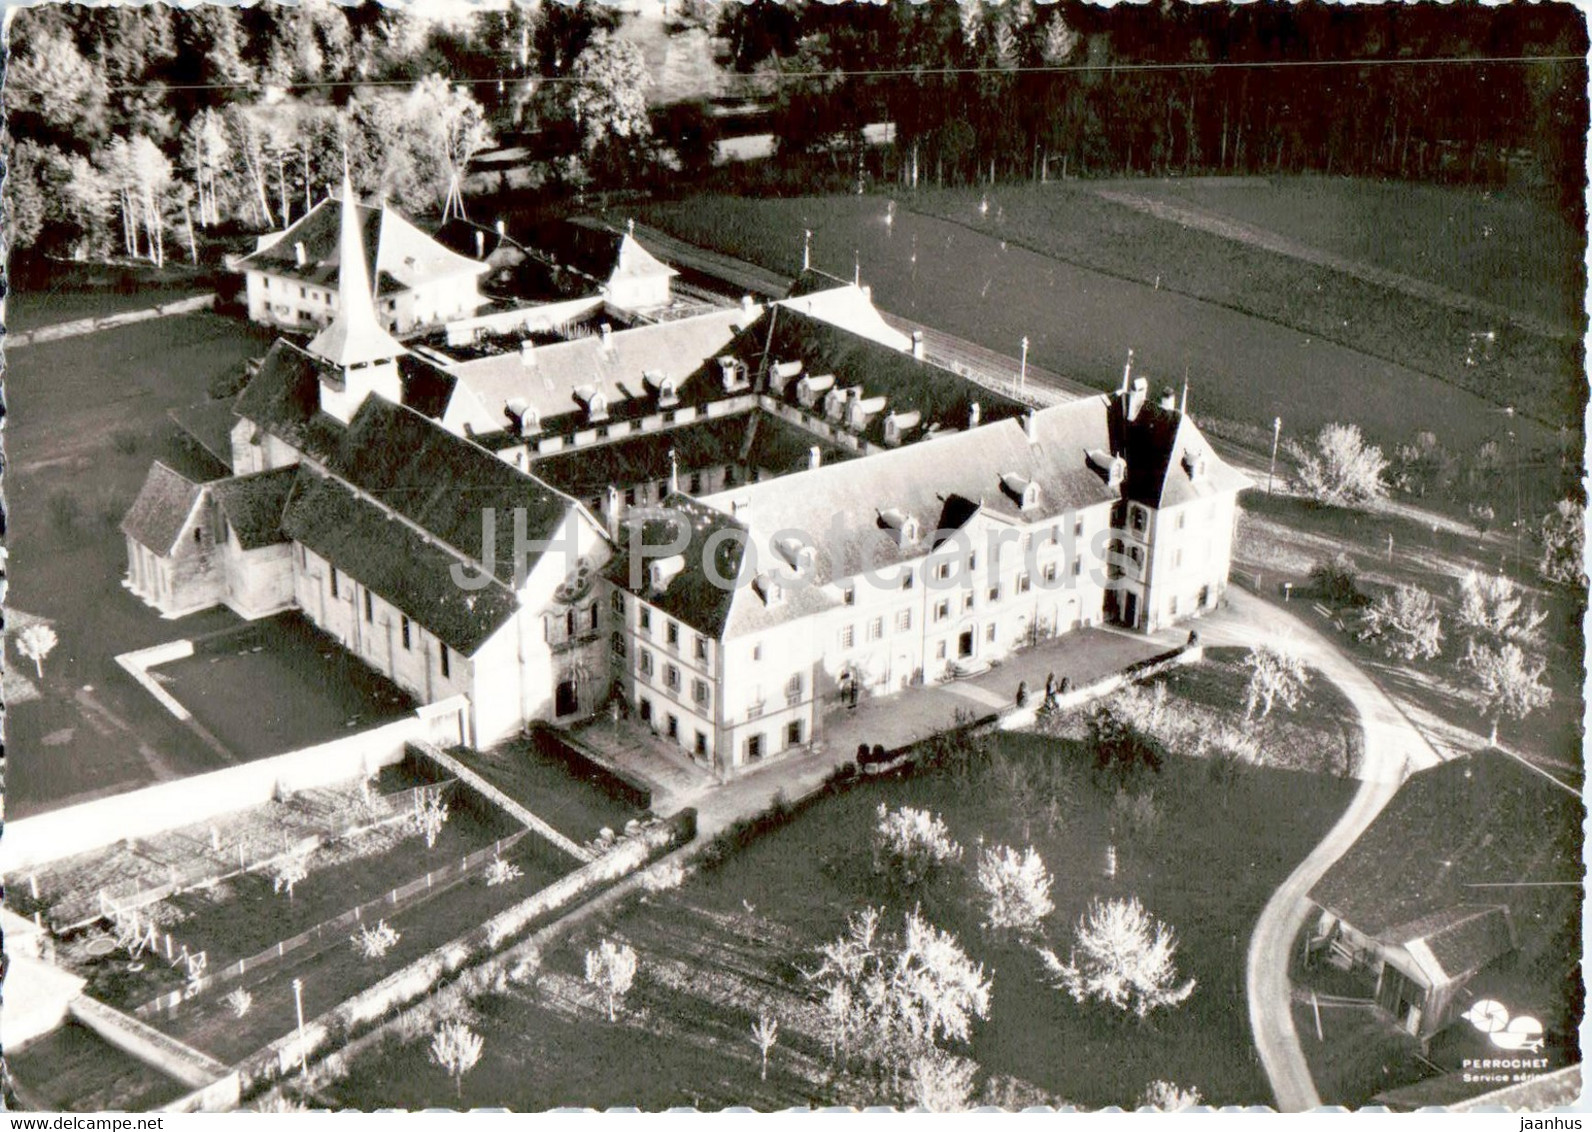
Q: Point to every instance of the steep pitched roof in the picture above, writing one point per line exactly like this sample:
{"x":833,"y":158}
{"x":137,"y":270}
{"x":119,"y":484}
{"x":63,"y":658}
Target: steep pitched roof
{"x":944,"y":483}
{"x":617,"y":369}
{"x":209,"y":423}
{"x":410,"y":571}
{"x":355,"y":336}
{"x":1162,"y":448}
{"x":445,"y":484}
{"x":1477,"y":820}
{"x":844,"y":305}
{"x":756,"y":439}
{"x":398,"y":255}
{"x":254,"y":504}
{"x":1458,"y":940}
{"x":598,"y":251}
{"x":693,"y":596}
{"x":938,"y":398}
{"x":161,"y":510}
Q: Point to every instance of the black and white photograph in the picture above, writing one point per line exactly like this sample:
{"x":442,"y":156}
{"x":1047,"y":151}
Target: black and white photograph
{"x":701,"y":554}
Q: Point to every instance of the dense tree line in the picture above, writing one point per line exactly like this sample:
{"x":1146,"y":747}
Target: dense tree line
{"x":128,"y":128}
{"x":1008,"y":89}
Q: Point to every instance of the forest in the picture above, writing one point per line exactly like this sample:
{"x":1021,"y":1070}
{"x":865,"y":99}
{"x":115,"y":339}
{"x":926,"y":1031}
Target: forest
{"x":129,"y":128}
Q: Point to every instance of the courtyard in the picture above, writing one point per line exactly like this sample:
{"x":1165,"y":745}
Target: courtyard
{"x":278,"y":685}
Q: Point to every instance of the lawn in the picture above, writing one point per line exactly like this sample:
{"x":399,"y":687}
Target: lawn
{"x":1283,"y":538}
{"x":66,"y":402}
{"x":73,"y":1069}
{"x":1507,"y":247}
{"x":734,"y":939}
{"x":279,"y":685}
{"x":1259,"y":335}
{"x":575,"y":806}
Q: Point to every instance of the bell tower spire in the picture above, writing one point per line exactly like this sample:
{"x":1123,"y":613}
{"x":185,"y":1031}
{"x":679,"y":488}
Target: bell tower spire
{"x":360,"y":356}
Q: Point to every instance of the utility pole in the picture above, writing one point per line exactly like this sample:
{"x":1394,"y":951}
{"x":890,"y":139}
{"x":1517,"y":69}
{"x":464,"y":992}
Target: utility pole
{"x":1276,"y":435}
{"x":298,"y":1006}
{"x":807,"y":248}
{"x":1022,"y":372}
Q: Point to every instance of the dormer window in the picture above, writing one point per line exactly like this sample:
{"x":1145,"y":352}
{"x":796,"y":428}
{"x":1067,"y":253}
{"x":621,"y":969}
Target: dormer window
{"x":660,"y":572}
{"x":732,"y":372}
{"x":812,"y":387}
{"x":768,"y":589}
{"x":665,"y":388}
{"x":898,"y":425}
{"x":1194,"y":464}
{"x":1024,"y":492}
{"x":594,"y":401}
{"x":903,"y":526}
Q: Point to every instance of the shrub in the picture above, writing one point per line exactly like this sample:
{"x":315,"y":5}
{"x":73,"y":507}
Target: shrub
{"x":239,"y":1001}
{"x":1123,"y":957}
{"x":1166,"y":1096}
{"x":124,"y":441}
{"x":64,"y":511}
{"x":910,"y":845}
{"x":499,"y":871}
{"x":1123,"y":753}
{"x":610,"y":970}
{"x":663,"y":877}
{"x":1405,"y":621}
{"x":1337,"y":581}
{"x":375,"y":942}
{"x":1340,"y":469}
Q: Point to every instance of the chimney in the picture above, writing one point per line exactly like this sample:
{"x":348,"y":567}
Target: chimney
{"x":502,"y":229}
{"x":299,"y":253}
{"x":607,"y":333}
{"x":917,"y":344}
{"x":1137,"y":396}
{"x":746,"y":305}
{"x":480,"y":244}
{"x":1169,"y":399}
{"x":1028,"y":426}
{"x":611,"y":501}
{"x":974,"y":415}
{"x":527,"y":353}
{"x":1183,"y":405}
{"x":815,"y":457}
{"x":1127,"y":372}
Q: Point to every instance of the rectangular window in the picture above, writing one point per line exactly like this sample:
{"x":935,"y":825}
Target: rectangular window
{"x":793,"y":687}
{"x":699,"y":692}
{"x":972,"y":563}
{"x":630,"y":497}
{"x":906,"y":578}
{"x":1077,"y":529}
{"x":646,"y":619}
{"x":1177,"y":558}
{"x":757,"y":652}
{"x":645,"y":663}
{"x":696,"y":483}
{"x":849,"y":595}
{"x":942,"y":570}
{"x":334,"y":582}
{"x":591,"y":618}
{"x":876,"y":628}
{"x":1180,"y":517}
{"x":754,"y":747}
{"x":674,"y":727}
{"x":671,"y":634}
{"x":903,"y":620}
{"x":1023,"y":583}
{"x":848,"y":637}
{"x":1077,"y":567}
{"x":967,"y":603}
{"x":1137,"y":518}
{"x":701,"y":745}
{"x":942,"y":609}
{"x":793,"y":733}
{"x":994,"y":593}
{"x":369,"y":611}
{"x":701,"y":648}
{"x":1050,"y":572}
{"x":671,"y":677}
{"x":447,"y":665}
{"x":618,"y":601}
{"x":989,"y":633}
{"x":939,"y":651}
{"x":403,"y":626}
{"x":644,"y":708}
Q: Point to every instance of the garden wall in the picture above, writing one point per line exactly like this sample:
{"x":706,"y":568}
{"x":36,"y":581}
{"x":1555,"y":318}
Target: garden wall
{"x":51,"y":836}
{"x":419,"y":978}
{"x":629,"y":790}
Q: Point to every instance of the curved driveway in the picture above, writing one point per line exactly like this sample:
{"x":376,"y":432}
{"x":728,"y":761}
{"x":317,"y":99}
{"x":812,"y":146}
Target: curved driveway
{"x":1393,"y":748}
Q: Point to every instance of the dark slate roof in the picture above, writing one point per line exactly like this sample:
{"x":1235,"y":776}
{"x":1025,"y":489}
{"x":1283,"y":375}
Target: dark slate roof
{"x":813,"y":281}
{"x":156,"y":518}
{"x":692,"y":597}
{"x":1475,"y":820}
{"x":1155,"y":444}
{"x":444,"y":483}
{"x":209,"y":423}
{"x":596,"y":250}
{"x":396,"y":561}
{"x":284,"y":398}
{"x":1462,"y":939}
{"x":254,"y":504}
{"x":191,"y":460}
{"x":427,"y":388}
{"x":753,"y":439}
{"x":908,"y":385}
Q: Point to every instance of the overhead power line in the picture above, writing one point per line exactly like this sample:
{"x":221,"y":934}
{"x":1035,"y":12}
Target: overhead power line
{"x":900,"y":72}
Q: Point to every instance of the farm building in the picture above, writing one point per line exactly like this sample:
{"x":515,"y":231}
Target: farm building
{"x":1469,"y":878}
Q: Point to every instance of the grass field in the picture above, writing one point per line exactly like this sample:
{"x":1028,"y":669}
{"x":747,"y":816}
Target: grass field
{"x":280,"y":685}
{"x":576,"y":807}
{"x":1259,"y":335}
{"x":73,"y":1069}
{"x":65,"y":400}
{"x":734,"y":940}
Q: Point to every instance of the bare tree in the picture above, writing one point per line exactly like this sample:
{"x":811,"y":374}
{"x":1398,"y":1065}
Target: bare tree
{"x":288,"y":871}
{"x":941,"y":1082}
{"x":1167,"y":1096}
{"x":455,"y":1049}
{"x":1563,"y":537}
{"x":765,"y":1033}
{"x":1507,"y":682}
{"x":36,"y":642}
{"x":1016,"y":889}
{"x":1123,"y":957}
{"x":430,"y":813}
{"x":1277,"y":674}
{"x":611,"y":969}
{"x":1405,"y":621}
